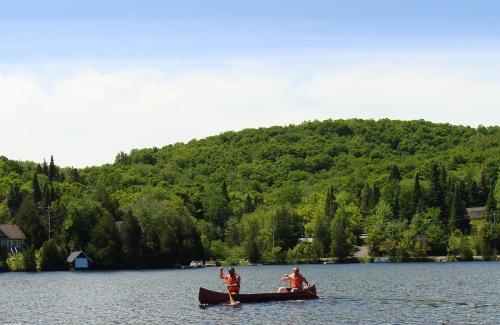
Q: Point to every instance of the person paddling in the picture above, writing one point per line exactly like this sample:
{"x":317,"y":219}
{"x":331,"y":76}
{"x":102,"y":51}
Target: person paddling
{"x":296,"y":279}
{"x":232,"y":279}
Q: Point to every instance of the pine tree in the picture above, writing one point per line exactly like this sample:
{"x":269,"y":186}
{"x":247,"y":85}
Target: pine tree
{"x":417,"y":194}
{"x":249,"y":204}
{"x":224,"y":190}
{"x":395,"y":174}
{"x":52,"y":172}
{"x":330,"y":204}
{"x":37,"y":194}
{"x":45,"y":168}
{"x":458,"y":214}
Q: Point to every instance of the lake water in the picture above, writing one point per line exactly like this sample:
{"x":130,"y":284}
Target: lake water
{"x":413,"y":293}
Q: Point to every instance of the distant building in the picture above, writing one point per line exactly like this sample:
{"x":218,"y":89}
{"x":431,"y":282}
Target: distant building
{"x":477,"y":213}
{"x":306,"y":240}
{"x":78,"y":261}
{"x":11,"y":238}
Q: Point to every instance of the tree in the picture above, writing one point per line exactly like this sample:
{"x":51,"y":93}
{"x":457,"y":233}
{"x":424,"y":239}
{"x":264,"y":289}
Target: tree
{"x":342,"y":241}
{"x":131,"y":240}
{"x":31,"y":223}
{"x":250,"y":243}
{"x":366,"y":200}
{"x":459,"y":246}
{"x":286,"y":227}
{"x":52,"y":172}
{"x":416,"y":194}
{"x":14,"y":198}
{"x":51,"y":257}
{"x":459,"y":219}
{"x":37,"y":193}
{"x":104,"y":245}
{"x":395,"y":175}
{"x":330,"y":204}
{"x":491,"y":205}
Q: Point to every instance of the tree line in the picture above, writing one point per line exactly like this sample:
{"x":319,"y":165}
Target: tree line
{"x":251,"y":195}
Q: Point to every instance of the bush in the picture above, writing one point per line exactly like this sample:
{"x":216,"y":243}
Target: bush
{"x":459,"y":247}
{"x":15,"y":262}
{"x":303,"y":252}
{"x":485,"y":241}
{"x":51,"y":257}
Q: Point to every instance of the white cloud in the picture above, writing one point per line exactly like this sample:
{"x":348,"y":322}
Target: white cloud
{"x":85,"y":116}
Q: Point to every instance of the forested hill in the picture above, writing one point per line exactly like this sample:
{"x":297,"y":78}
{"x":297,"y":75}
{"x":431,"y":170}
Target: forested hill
{"x":251,"y":194}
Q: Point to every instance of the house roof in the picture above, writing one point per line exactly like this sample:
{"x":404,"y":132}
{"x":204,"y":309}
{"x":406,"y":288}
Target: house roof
{"x":11,"y":232}
{"x":74,"y":255}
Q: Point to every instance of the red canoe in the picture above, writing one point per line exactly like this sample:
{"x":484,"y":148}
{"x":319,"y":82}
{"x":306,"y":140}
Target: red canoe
{"x":206,"y":296}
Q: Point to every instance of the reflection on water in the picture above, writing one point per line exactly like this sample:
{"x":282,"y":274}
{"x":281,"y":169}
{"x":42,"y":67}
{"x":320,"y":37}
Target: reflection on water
{"x":425,"y":293}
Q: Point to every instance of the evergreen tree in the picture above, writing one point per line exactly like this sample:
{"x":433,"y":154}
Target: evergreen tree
{"x":45,"y":168}
{"x":416,"y":194}
{"x":249,"y":204}
{"x":459,"y":218}
{"x":52,"y":172}
{"x":37,"y":193}
{"x":395,"y":174}
{"x":224,"y":191}
{"x":330,"y":204}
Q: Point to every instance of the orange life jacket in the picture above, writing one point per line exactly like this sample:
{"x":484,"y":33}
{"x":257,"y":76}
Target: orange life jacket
{"x":232,"y":280}
{"x":296,"y":281}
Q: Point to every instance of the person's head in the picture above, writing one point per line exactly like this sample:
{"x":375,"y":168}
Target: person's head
{"x":231,"y":270}
{"x":295,"y":270}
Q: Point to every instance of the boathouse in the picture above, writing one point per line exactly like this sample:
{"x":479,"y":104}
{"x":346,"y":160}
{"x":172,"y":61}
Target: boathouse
{"x":11,"y":238}
{"x":78,"y":261}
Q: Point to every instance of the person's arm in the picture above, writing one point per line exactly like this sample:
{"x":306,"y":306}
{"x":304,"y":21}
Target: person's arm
{"x":221,"y":273}
{"x":305,"y":281}
{"x":239,"y":280}
{"x":285,"y":277}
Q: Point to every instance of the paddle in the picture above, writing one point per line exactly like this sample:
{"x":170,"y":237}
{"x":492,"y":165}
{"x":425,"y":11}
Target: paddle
{"x":232,"y":303}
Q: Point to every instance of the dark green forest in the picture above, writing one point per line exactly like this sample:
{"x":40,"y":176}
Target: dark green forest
{"x":249,"y":196}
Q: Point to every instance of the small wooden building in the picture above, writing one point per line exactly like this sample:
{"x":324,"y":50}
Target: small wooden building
{"x":476,"y":213}
{"x":78,"y":261}
{"x":11,"y":238}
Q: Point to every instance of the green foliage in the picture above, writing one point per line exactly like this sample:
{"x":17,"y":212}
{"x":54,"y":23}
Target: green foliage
{"x":342,"y":237}
{"x":31,"y":223}
{"x":486,"y":241}
{"x":104,"y":245}
{"x":51,"y":257}
{"x":250,"y":195}
{"x":460,"y":246}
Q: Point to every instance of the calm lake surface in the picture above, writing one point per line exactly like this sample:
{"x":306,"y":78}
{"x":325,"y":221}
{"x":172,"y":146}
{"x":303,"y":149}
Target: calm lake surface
{"x":418,"y":293}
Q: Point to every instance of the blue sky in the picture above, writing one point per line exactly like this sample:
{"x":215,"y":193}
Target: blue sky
{"x":140,"y":30}
{"x":105,"y":76}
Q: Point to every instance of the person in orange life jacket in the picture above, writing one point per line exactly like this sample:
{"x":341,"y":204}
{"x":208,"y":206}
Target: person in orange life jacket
{"x":232,"y":279}
{"x":296,"y":279}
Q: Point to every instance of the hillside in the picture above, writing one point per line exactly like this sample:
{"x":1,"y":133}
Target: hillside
{"x":251,"y":194}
